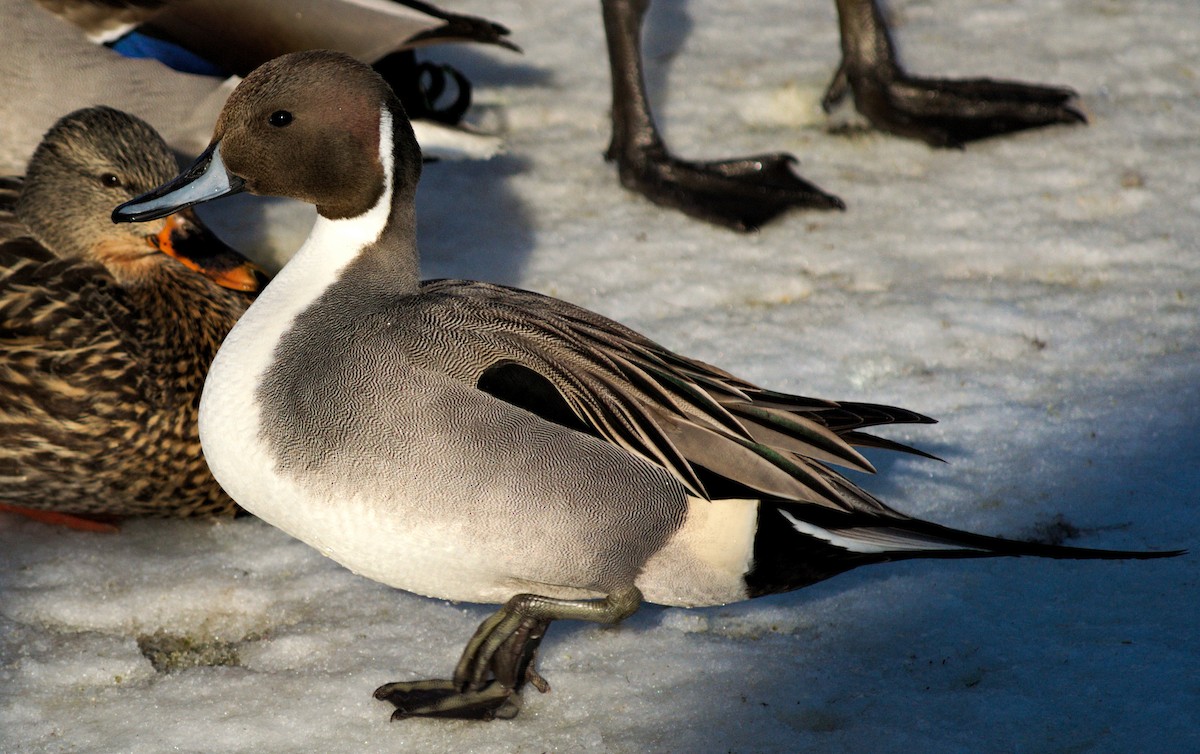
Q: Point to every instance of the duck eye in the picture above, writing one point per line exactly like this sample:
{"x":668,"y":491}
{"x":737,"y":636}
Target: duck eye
{"x":110,"y":180}
{"x":280,"y":118}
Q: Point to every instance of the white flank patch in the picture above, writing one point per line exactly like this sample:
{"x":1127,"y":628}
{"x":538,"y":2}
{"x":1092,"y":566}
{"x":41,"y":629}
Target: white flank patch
{"x":884,"y":541}
{"x":706,"y":561}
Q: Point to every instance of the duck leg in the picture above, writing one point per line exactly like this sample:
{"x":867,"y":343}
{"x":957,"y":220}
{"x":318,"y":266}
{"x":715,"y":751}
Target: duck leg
{"x":97,"y":523}
{"x":505,"y":645}
{"x":740,"y":193}
{"x":941,"y":112}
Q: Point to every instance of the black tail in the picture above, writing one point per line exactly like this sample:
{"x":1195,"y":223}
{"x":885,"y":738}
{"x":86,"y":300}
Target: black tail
{"x":791,"y":552}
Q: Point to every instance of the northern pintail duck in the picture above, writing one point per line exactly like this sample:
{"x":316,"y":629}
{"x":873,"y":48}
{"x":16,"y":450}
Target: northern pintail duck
{"x":104,"y":337}
{"x":745,"y":193}
{"x":50,"y":65}
{"x":481,"y":443}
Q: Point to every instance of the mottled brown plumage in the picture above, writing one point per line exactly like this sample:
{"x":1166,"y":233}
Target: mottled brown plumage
{"x":104,"y":339}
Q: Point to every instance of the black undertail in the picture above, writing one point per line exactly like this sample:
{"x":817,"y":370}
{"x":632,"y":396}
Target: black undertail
{"x":786,"y":559}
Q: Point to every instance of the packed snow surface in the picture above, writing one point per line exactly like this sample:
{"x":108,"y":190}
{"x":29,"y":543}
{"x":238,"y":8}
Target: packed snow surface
{"x":1039,"y":294}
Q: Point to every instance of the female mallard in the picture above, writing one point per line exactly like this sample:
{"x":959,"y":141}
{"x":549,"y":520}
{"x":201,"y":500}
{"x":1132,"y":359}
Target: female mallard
{"x":105,"y":339}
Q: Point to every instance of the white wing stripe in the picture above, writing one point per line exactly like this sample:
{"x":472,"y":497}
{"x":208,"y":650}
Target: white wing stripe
{"x":872,"y":541}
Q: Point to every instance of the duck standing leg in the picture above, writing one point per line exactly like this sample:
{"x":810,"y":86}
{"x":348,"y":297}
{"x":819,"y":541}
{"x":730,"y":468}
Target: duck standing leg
{"x":740,"y":193}
{"x":941,"y":112}
{"x":506,"y":646}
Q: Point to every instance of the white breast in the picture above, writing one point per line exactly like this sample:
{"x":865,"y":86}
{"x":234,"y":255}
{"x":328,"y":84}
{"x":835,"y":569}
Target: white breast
{"x":229,"y":415}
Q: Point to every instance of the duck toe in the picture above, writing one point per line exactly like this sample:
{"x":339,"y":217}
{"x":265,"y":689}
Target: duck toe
{"x":443,"y":699}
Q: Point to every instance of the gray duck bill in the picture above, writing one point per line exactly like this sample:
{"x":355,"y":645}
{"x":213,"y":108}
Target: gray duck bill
{"x":205,"y":180}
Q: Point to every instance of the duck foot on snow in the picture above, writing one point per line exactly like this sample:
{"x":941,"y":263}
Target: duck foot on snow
{"x":940,"y":112}
{"x":505,"y":645}
{"x":741,"y":194}
{"x":950,"y":113}
{"x":469,"y":696}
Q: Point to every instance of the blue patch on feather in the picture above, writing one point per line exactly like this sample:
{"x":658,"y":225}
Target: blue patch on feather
{"x":137,"y":45}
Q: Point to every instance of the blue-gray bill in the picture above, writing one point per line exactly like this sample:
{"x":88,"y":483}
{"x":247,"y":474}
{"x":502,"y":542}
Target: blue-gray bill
{"x":205,"y":180}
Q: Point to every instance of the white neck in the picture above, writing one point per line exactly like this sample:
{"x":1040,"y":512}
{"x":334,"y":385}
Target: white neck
{"x":331,"y":246}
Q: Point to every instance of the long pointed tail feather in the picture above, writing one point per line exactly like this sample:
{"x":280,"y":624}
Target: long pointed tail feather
{"x":913,"y":538}
{"x":799,"y":545}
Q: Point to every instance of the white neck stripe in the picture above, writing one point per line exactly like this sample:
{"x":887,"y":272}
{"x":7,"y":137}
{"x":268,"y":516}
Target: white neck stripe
{"x":330,"y":247}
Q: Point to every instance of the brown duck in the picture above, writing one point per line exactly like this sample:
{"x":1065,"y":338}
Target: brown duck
{"x":106,"y":331}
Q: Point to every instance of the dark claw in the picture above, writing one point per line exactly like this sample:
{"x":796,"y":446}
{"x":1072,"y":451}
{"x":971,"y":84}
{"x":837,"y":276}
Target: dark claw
{"x":512,"y":664}
{"x":741,"y":194}
{"x":533,"y":678}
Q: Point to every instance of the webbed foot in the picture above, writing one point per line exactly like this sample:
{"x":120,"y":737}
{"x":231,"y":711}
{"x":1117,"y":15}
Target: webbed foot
{"x":950,"y":113}
{"x":741,"y":194}
{"x":940,"y":112}
{"x":97,"y":522}
{"x":445,"y":699}
{"x":505,"y":645}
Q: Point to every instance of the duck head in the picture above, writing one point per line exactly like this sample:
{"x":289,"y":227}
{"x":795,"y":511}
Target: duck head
{"x":98,"y":155}
{"x":306,"y":126}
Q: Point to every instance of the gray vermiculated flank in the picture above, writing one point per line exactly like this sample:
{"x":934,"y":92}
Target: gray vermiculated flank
{"x":364,"y":385}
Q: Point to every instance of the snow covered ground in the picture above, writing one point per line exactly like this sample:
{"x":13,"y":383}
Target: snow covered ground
{"x":1040,"y":294}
